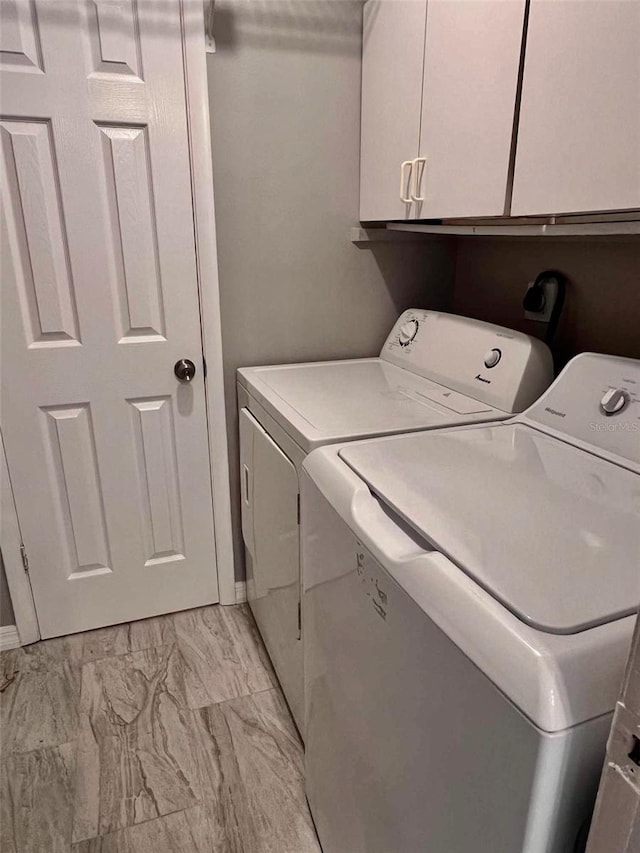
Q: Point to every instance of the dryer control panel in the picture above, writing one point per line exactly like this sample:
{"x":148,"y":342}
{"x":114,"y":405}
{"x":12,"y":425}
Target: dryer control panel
{"x":596,"y":400}
{"x":500,"y":367}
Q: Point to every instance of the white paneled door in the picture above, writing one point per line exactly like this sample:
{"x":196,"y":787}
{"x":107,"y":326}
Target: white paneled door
{"x":107,"y":449}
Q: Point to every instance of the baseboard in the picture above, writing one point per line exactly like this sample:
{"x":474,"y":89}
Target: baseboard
{"x":9,"y":638}
{"x":241,"y":591}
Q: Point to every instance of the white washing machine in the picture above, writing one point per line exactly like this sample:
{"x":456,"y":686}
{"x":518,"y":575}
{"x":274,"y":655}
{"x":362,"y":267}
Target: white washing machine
{"x":434,"y":370}
{"x":469,"y":600}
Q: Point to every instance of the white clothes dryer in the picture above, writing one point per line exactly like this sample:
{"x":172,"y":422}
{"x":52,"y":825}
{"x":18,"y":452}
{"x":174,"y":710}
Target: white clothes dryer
{"x":434,"y":370}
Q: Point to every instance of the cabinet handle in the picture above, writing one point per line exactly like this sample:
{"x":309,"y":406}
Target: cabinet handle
{"x":405,"y":181}
{"x":245,"y":485}
{"x":417,"y":178}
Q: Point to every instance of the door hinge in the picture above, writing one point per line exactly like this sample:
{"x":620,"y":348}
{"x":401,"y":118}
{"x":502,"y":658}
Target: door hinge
{"x":25,"y":559}
{"x":298,"y":509}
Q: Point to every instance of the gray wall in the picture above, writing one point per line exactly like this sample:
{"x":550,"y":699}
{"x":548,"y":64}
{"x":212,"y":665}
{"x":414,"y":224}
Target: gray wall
{"x":6,"y":610}
{"x":602,"y":308}
{"x":284,"y":90}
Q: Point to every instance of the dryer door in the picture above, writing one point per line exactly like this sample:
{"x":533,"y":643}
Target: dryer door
{"x":269,"y":489}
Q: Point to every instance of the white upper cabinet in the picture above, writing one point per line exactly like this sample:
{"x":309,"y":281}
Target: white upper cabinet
{"x":443,"y":136}
{"x":471,"y":62}
{"x":439,"y":82}
{"x":578,"y":146}
{"x":392,"y":60}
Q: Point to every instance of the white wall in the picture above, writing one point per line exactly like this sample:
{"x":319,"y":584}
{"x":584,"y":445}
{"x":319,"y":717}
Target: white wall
{"x":602,"y":305}
{"x":284,"y":90}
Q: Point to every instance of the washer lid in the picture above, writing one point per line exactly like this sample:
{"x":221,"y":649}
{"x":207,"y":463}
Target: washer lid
{"x":550,"y":530}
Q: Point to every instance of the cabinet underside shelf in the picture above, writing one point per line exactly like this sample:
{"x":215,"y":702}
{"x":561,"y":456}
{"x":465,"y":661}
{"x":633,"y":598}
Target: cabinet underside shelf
{"x":560,"y":227}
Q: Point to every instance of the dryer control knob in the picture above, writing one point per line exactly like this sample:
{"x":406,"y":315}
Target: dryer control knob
{"x":492,"y":357}
{"x":614,"y":401}
{"x":407,"y":332}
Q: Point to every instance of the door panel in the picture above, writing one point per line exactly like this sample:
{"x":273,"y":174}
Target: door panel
{"x":37,"y":234}
{"x":159,"y":488}
{"x":579,"y":132}
{"x":392,"y":59}
{"x":133,"y":231}
{"x":472,"y":56}
{"x":272,"y":536}
{"x":20,"y":47}
{"x":107,"y":451}
{"x":112,"y":39}
{"x":73,"y":462}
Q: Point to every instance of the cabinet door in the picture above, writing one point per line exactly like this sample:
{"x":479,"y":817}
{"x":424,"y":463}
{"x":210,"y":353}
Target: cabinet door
{"x":392,"y":57}
{"x":472,"y":57}
{"x":579,"y":133}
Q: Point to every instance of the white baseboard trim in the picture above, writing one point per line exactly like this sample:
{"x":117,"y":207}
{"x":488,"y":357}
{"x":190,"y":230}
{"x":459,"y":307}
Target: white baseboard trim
{"x":9,"y":638}
{"x":241,"y":592}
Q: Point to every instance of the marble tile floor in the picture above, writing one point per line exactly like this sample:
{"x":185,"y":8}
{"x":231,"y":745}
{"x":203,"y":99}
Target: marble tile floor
{"x":168,"y":735}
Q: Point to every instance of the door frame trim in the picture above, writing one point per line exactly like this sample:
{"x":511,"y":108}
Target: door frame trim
{"x":197,"y":94}
{"x":24,"y":609}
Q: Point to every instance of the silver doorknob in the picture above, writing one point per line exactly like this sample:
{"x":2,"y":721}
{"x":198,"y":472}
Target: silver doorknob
{"x":185,"y":370}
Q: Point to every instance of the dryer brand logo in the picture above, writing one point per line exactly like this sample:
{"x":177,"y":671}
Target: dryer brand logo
{"x":482,"y":379}
{"x":555,"y":412}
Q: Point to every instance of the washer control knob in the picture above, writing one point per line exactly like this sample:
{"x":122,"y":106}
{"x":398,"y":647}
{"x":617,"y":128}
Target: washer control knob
{"x":492,"y":357}
{"x":407,"y":332}
{"x":614,"y":401}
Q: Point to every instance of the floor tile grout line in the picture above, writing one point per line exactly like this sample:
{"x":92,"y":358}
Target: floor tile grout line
{"x":7,"y":756}
{"x":235,"y":698}
{"x":81,"y":661}
{"x":198,"y":804}
{"x":156,"y":647}
{"x":38,"y":646}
